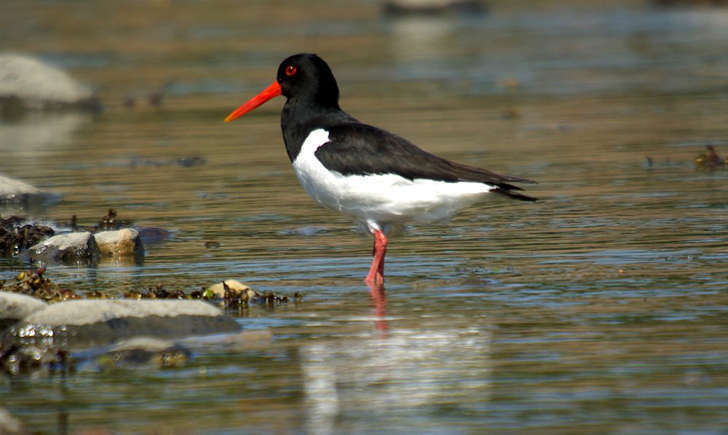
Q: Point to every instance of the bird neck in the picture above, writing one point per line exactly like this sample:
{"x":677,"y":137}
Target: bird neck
{"x":298,"y":119}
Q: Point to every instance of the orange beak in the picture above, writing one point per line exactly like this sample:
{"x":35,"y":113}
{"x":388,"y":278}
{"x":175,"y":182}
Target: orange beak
{"x":271,"y":91}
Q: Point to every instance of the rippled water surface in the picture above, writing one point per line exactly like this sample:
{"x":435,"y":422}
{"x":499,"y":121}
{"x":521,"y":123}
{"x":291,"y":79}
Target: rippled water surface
{"x":602,"y":307}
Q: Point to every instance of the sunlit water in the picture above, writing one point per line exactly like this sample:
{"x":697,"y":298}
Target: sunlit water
{"x":601,"y":307}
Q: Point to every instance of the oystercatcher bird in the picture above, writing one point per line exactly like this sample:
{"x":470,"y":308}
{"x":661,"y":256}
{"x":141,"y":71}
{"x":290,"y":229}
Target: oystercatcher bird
{"x":377,"y":177}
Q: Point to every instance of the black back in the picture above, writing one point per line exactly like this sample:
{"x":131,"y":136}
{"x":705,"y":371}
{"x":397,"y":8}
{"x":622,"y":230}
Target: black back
{"x":360,"y":149}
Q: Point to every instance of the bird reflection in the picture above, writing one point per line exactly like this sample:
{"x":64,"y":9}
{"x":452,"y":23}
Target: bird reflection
{"x":379,"y":297}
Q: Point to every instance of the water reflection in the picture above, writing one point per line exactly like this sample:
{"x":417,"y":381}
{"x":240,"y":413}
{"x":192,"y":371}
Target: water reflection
{"x":426,"y":370}
{"x":379,"y":298}
{"x":38,"y":135}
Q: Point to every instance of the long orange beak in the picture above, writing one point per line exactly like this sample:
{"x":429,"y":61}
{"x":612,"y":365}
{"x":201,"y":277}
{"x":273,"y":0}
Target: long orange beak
{"x":271,"y":91}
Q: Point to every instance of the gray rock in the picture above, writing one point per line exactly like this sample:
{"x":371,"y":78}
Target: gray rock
{"x":120,"y":243}
{"x":88,"y":323}
{"x":69,"y":248}
{"x":27,"y":83}
{"x":16,"y":306}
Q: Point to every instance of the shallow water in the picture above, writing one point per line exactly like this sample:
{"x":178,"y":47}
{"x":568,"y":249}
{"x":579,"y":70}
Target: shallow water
{"x":601,"y":307}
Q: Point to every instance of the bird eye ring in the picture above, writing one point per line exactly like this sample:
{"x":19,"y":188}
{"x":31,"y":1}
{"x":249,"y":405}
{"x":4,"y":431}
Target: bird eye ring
{"x":290,"y":70}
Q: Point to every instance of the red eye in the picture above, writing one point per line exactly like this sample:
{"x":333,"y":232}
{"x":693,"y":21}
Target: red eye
{"x":290,"y":70}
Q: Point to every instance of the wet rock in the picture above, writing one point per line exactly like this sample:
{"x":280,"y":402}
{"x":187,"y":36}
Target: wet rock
{"x":145,"y":352}
{"x":120,"y":243}
{"x":433,"y":7}
{"x":10,"y":425}
{"x":69,"y":248}
{"x":15,"y":306}
{"x":87,"y":323}
{"x":17,"y":234}
{"x":16,"y":192}
{"x":230,"y":287}
{"x":234,"y":294}
{"x":11,"y":189}
{"x":28,"y":84}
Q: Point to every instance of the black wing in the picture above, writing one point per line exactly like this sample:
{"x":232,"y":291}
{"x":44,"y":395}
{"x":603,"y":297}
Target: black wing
{"x":360,"y":149}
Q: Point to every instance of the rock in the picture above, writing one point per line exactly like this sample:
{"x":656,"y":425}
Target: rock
{"x":88,"y":323}
{"x":17,"y":234}
{"x":69,"y":248}
{"x":28,"y":84}
{"x":234,"y":294}
{"x":15,"y":306}
{"x":145,"y":352}
{"x":235,"y":288}
{"x":120,"y":243}
{"x":10,"y":425}
{"x":16,"y":192}
{"x":11,"y":189}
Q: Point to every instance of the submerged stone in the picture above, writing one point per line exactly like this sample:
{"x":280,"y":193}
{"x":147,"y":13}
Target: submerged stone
{"x":86,"y":323}
{"x":145,"y":352}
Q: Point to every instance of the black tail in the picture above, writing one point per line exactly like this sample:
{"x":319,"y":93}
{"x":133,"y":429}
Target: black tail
{"x":515,"y":195}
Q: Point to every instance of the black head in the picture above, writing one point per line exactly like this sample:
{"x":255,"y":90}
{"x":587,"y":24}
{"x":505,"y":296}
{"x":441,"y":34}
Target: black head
{"x":307,"y":78}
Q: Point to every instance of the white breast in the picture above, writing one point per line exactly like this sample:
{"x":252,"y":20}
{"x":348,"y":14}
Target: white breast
{"x":380,"y":199}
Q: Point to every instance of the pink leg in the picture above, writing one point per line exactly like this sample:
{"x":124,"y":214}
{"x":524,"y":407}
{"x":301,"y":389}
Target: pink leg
{"x":379,"y":298}
{"x":376,"y":272}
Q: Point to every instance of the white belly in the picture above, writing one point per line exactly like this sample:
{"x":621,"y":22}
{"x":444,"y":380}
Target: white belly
{"x":381,"y":199}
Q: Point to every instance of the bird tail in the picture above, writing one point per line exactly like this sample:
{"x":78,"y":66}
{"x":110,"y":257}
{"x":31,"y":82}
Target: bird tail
{"x":506,"y":191}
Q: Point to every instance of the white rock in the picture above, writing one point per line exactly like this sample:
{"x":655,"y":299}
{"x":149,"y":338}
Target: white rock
{"x":16,"y":306}
{"x":81,"y":324}
{"x":234,"y":285}
{"x":11,"y":189}
{"x":78,"y":248}
{"x":84,"y":312}
{"x":35,"y":82}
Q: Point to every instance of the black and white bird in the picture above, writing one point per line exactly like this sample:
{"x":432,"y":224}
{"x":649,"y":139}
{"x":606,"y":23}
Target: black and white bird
{"x":377,"y":177}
